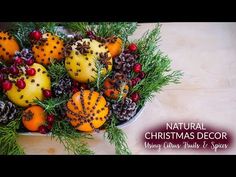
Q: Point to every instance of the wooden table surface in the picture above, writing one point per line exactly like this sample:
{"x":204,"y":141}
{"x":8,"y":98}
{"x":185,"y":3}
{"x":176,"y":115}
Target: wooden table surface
{"x":206,"y":53}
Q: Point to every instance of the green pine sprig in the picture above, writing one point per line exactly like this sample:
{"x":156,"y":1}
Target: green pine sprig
{"x":21,"y":31}
{"x":156,"y":65}
{"x":52,"y":105}
{"x":73,"y":141}
{"x":57,"y":71}
{"x":119,"y":29}
{"x":116,"y":137}
{"x":8,"y":139}
{"x":104,"y":29}
{"x":78,"y":27}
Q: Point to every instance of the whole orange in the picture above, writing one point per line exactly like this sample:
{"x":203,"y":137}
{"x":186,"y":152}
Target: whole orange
{"x":33,"y":117}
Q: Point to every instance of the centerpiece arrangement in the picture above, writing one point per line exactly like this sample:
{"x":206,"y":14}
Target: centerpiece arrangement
{"x":71,"y":79}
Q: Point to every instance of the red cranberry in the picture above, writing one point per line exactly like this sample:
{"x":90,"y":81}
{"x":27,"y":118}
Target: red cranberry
{"x":89,"y":33}
{"x":30,"y":62}
{"x":74,"y":90}
{"x":137,"y":68}
{"x":50,"y":118}
{"x":43,"y":129}
{"x":1,"y":78}
{"x":137,"y":79}
{"x":49,"y":127}
{"x":47,"y":93}
{"x":18,"y":61}
{"x":14,"y":70}
{"x":135,"y":97}
{"x":5,"y":70}
{"x":84,"y":86}
{"x":133,"y":82}
{"x":6,"y":85}
{"x":132,"y":47}
{"x":75,"y":83}
{"x":31,"y":71}
{"x":36,"y":35}
{"x":141,"y":75}
{"x":20,"y":83}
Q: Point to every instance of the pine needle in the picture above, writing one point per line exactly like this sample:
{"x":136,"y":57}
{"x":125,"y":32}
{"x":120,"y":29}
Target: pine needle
{"x":8,"y":137}
{"x":117,"y":137}
{"x":72,"y":140}
{"x":156,"y":65}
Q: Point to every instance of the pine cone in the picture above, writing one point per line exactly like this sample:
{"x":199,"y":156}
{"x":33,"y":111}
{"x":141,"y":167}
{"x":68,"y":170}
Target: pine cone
{"x":124,"y":110}
{"x":24,"y":54}
{"x":64,"y":86}
{"x":124,"y":63}
{"x":8,"y":111}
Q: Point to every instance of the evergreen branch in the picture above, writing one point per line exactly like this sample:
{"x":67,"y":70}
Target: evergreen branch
{"x":52,"y":105}
{"x":119,"y":29}
{"x":156,"y":66}
{"x":117,"y":137}
{"x":46,"y":27}
{"x":104,"y":29}
{"x":8,"y":139}
{"x":72,"y":140}
{"x":78,"y":27}
{"x":56,"y":72}
{"x":98,"y":84}
{"x":21,"y":31}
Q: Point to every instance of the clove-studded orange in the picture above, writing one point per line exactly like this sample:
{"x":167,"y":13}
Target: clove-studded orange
{"x":84,"y":59}
{"x":116,"y":87}
{"x":49,"y":48}
{"x":8,"y":46}
{"x":87,"y":110}
{"x":33,"y":117}
{"x":33,"y":85}
{"x":114,"y":46}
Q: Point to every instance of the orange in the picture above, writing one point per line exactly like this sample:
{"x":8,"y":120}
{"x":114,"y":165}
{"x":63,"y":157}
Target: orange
{"x":8,"y":46}
{"x":50,"y":48}
{"x":33,"y":117}
{"x":113,"y":90}
{"x":87,"y":110}
{"x":115,"y":47}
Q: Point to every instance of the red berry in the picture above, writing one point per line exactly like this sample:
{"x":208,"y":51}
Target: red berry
{"x":43,"y":129}
{"x":20,"y":83}
{"x":49,"y":127}
{"x":137,"y":79}
{"x":1,"y":78}
{"x":137,"y":68}
{"x":18,"y":61}
{"x":50,"y":118}
{"x":14,"y":70}
{"x":89,"y":33}
{"x":5,"y":70}
{"x":74,"y":90}
{"x":6,"y":85}
{"x":133,"y":82}
{"x":135,"y":97}
{"x":36,"y":35}
{"x":31,"y":71}
{"x":30,"y":62}
{"x":141,"y":75}
{"x":75,"y":83}
{"x":132,"y":47}
{"x":47,"y":93}
{"x":84,"y":86}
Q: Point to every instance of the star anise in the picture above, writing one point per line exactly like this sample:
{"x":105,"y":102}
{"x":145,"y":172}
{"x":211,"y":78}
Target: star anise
{"x":83,"y":48}
{"x":105,"y":59}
